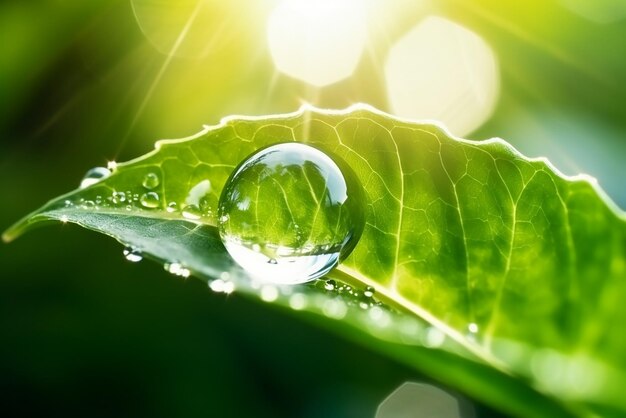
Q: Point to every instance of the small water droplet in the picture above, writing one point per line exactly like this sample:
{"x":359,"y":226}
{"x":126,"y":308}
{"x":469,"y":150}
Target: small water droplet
{"x":88,"y":204}
{"x":205,"y":205}
{"x":369,"y":292}
{"x":93,"y":176}
{"x":330,"y":285}
{"x":171,"y":207}
{"x":64,"y":218}
{"x":345,"y":289}
{"x":129,"y":207}
{"x":132,"y":254}
{"x":289,"y":213}
{"x":472,"y":332}
{"x":68,"y":203}
{"x":150,"y":181}
{"x":191,"y":212}
{"x":118,"y":198}
{"x":177,"y":269}
{"x":150,"y":200}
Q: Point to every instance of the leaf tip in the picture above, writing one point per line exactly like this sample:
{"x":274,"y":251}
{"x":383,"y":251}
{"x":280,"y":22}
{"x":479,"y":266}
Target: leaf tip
{"x":17,"y":229}
{"x":9,"y":235}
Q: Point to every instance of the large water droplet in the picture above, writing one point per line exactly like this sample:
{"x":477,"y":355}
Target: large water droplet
{"x":274,"y":190}
{"x":94,"y":175}
{"x":150,"y":200}
{"x":150,"y":181}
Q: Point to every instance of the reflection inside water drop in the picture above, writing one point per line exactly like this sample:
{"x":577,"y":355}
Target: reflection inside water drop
{"x":289,"y":213}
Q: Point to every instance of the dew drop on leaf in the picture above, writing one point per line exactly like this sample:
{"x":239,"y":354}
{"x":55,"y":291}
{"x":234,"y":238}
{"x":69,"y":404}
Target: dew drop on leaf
{"x":132,"y":254}
{"x":94,"y":175}
{"x":150,"y":181}
{"x":277,"y":188}
{"x":472,"y":332}
{"x":88,"y":204}
{"x":171,"y":207}
{"x":118,"y":198}
{"x":222,"y":286}
{"x":177,"y":269}
{"x":192,"y":212}
{"x":149,"y":200}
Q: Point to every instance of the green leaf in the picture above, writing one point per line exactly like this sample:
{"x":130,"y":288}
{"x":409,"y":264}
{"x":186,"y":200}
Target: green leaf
{"x":498,"y":274}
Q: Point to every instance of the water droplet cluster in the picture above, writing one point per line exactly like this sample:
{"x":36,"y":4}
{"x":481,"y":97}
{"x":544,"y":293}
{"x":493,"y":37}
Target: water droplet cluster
{"x":144,"y":196}
{"x":177,"y":269}
{"x":363,"y":299}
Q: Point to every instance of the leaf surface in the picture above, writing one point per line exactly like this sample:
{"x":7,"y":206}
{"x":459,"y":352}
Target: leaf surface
{"x":474,"y":250}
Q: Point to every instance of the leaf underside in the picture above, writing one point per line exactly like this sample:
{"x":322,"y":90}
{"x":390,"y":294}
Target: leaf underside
{"x":476,"y":251}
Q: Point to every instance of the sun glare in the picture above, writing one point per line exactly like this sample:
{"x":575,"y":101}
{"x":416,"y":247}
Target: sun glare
{"x":319,"y":42}
{"x":443,"y":71}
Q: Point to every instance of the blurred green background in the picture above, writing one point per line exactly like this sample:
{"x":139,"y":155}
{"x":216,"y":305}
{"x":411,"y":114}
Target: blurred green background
{"x":84,"y":332}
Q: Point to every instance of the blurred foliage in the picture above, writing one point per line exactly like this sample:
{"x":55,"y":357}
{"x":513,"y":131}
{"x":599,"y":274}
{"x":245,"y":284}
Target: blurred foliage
{"x":80,"y":84}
